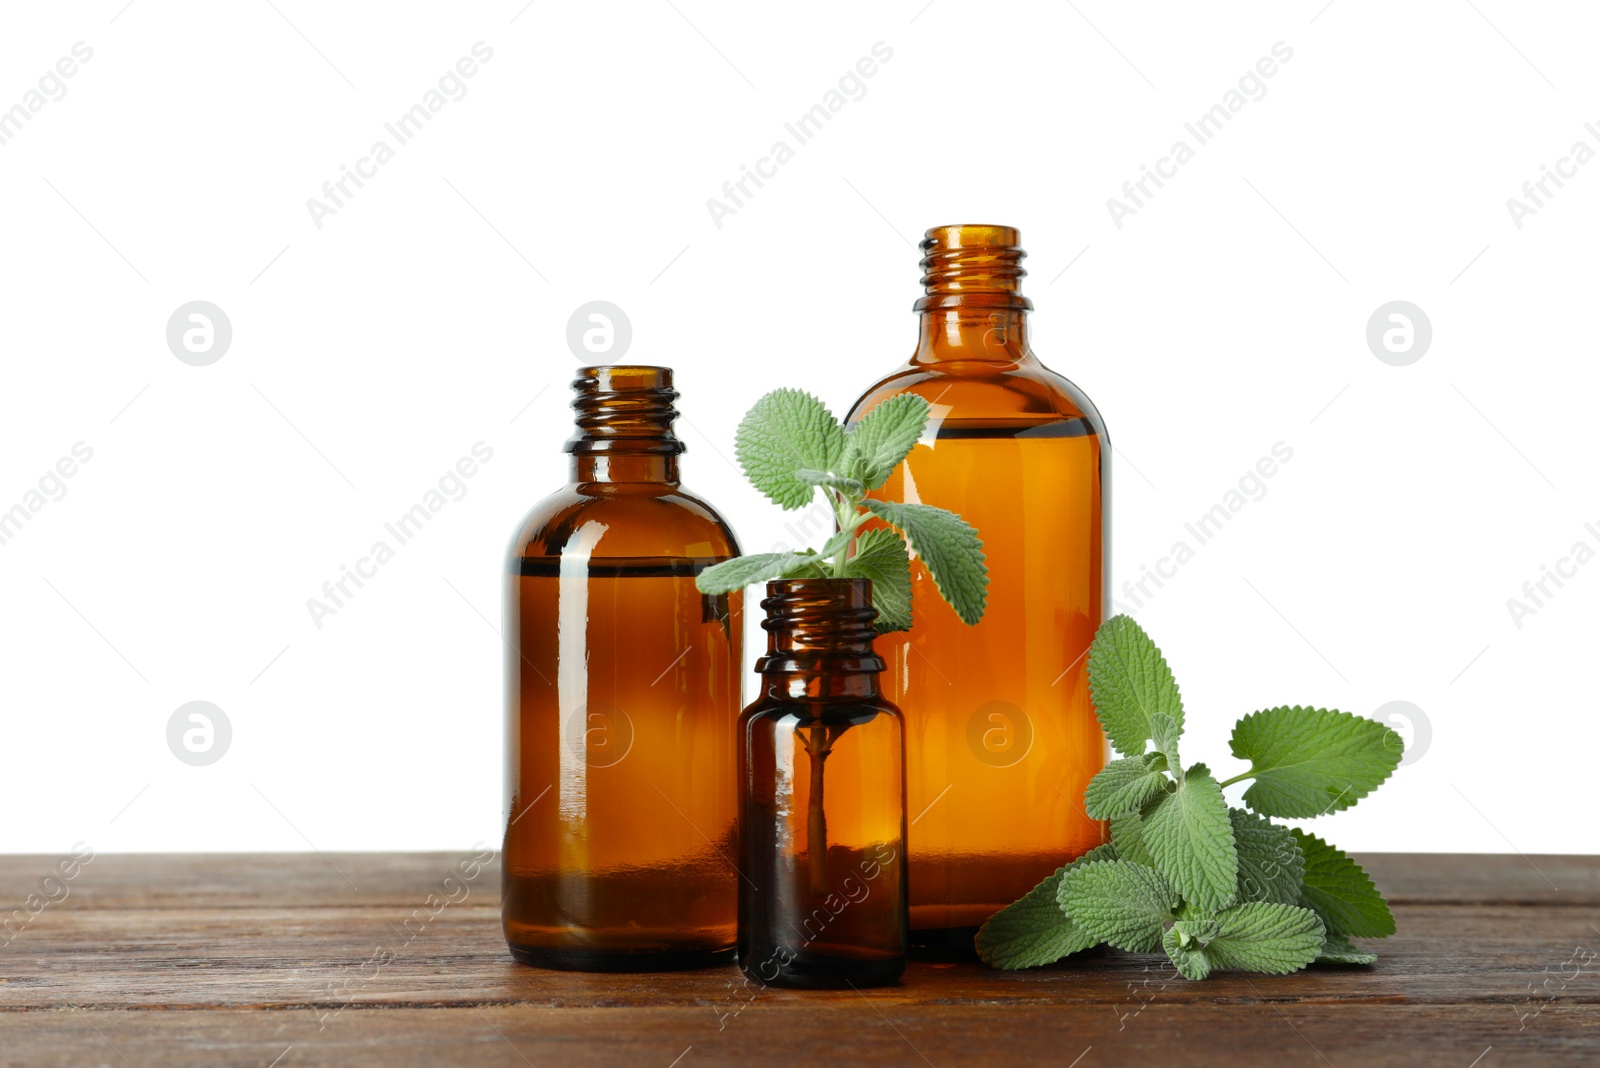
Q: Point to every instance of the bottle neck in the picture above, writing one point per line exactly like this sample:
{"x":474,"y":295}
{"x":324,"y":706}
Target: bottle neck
{"x":624,"y":426}
{"x":624,"y":467}
{"x":956,"y":335}
{"x":819,"y":639}
{"x":972,"y":308}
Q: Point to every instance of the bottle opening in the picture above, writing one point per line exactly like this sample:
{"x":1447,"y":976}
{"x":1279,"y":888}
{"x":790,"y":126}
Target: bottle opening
{"x":624,"y":408}
{"x":975,"y":265}
{"x":814,"y":619}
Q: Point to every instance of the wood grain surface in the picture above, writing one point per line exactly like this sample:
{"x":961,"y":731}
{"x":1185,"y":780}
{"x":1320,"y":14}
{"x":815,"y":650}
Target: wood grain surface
{"x":354,"y":959}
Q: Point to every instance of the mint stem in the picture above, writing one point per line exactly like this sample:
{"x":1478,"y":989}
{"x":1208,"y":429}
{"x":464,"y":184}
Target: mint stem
{"x":1241,"y":777}
{"x":848,"y":516}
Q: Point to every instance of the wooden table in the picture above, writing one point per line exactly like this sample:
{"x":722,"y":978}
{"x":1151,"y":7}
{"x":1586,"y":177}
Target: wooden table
{"x":301,"y":959}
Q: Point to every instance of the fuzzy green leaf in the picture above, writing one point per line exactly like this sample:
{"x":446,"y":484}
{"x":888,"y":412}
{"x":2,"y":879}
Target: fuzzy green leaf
{"x":1164,"y":732}
{"x":835,"y":544}
{"x":1125,"y":785}
{"x":1337,"y":949}
{"x":1119,"y":902}
{"x":850,"y":486}
{"x":785,"y":432}
{"x":1189,"y":834}
{"x":1341,"y":892}
{"x":1262,"y":936}
{"x":1186,"y":954}
{"x":1311,"y":761}
{"x":1127,"y":834}
{"x":875,"y":446}
{"x":950,"y":548}
{"x":1270,"y":863}
{"x":880,"y":555}
{"x":1034,"y":930}
{"x":741,"y":571}
{"x":1130,"y":682}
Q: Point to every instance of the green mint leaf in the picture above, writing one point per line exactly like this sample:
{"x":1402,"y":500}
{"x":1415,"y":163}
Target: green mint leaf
{"x":1186,"y":953}
{"x":835,"y":544}
{"x":1263,"y":936}
{"x":1127,"y":834}
{"x":1164,"y":732}
{"x":1311,"y":761}
{"x":1189,"y":834}
{"x":875,"y":446}
{"x":785,"y":432}
{"x":949,"y":547}
{"x":1337,"y":949}
{"x":1341,"y":892}
{"x":741,"y":571}
{"x":1119,"y":902}
{"x":1125,"y":785}
{"x":1130,"y":682}
{"x":849,"y":486}
{"x":1270,"y":863}
{"x":881,"y":556}
{"x":1034,"y":930}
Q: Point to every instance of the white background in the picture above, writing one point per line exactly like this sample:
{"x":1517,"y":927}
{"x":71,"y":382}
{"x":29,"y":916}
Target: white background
{"x":430,"y":312}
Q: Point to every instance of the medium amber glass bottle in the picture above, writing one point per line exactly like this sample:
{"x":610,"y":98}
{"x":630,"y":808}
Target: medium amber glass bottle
{"x":822,"y":816}
{"x":622,"y":684}
{"x":1000,"y":736}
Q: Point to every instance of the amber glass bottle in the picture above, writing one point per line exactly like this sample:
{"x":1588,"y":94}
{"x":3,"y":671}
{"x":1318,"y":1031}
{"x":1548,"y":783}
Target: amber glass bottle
{"x":622,"y":684}
{"x":1000,"y":735}
{"x":822,"y":806}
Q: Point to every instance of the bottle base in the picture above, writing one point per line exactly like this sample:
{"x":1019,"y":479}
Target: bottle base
{"x":808,"y":971}
{"x":611,"y":960}
{"x":945,"y":945}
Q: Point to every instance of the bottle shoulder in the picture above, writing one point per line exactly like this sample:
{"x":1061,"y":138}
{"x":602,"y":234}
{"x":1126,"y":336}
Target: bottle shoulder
{"x":603,"y":523}
{"x":1019,"y":395}
{"x":772,"y":709}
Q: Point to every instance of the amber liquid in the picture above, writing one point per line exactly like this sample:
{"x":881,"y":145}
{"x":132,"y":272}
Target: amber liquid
{"x":621,"y":832}
{"x":1000,"y":736}
{"x":824,"y":902}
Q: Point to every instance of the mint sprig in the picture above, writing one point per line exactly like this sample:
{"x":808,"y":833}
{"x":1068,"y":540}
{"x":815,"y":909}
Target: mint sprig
{"x":792,"y":448}
{"x":1214,"y":887}
{"x":1034,"y":930}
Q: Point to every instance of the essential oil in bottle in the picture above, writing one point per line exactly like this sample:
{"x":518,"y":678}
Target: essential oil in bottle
{"x":623,"y":687}
{"x":822,"y":822}
{"x":1001,"y":736}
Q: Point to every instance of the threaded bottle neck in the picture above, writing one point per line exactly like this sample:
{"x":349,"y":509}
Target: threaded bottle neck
{"x":624,"y":425}
{"x":821,"y":627}
{"x":624,"y":409}
{"x":973,"y":266}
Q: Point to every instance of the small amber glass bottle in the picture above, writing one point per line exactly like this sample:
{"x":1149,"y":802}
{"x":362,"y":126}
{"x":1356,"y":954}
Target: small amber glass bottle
{"x":623,"y":687}
{"x":1000,"y":736}
{"x":822,"y":807}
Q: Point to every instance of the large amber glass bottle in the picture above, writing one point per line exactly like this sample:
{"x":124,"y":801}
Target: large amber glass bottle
{"x":622,"y":685}
{"x":1000,"y":735}
{"x":822,"y":820}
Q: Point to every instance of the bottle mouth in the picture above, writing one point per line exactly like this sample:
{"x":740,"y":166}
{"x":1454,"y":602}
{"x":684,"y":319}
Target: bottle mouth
{"x":973,"y":265}
{"x":623,"y":378}
{"x":814,"y":619}
{"x":624,"y":408}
